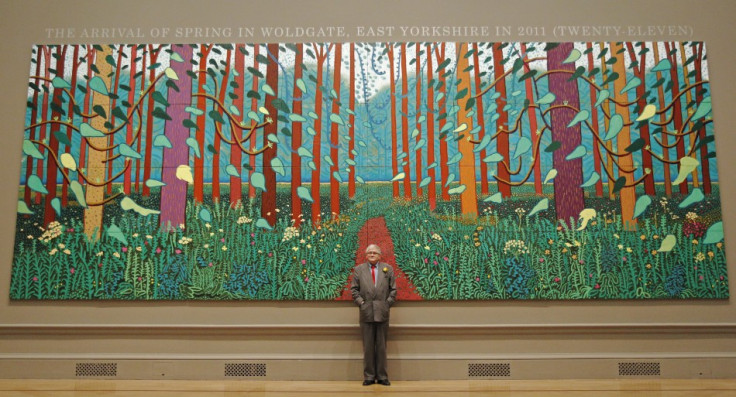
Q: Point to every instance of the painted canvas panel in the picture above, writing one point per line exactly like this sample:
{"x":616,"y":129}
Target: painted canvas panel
{"x":262,"y":171}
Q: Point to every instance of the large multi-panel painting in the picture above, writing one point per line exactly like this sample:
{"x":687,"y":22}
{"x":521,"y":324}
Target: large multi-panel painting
{"x":262,"y":171}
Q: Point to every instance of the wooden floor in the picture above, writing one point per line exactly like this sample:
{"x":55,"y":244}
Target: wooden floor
{"x":536,"y":388}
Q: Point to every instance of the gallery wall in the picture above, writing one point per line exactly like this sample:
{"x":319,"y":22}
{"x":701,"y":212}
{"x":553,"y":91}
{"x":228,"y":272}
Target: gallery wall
{"x":428,"y":333}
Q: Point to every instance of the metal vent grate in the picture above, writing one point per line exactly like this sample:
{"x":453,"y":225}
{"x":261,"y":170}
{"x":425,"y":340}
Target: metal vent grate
{"x":245,"y":369}
{"x":489,"y":369}
{"x":97,"y":369}
{"x":638,"y":369}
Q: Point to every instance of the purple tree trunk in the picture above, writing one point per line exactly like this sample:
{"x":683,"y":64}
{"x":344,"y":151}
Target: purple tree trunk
{"x":174,"y":194}
{"x":569,"y":199}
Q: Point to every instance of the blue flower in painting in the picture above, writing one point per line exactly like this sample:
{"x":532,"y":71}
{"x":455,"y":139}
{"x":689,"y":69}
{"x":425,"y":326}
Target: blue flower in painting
{"x":246,"y":280}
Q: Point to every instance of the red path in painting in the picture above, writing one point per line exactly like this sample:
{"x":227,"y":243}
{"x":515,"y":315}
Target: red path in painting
{"x":375,"y":232}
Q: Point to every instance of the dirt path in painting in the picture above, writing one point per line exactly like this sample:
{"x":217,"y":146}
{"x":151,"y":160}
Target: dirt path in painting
{"x":376,"y":232}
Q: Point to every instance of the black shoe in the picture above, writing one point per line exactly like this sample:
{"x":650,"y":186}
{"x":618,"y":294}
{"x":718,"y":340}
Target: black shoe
{"x":384,"y":382}
{"x":367,"y":382}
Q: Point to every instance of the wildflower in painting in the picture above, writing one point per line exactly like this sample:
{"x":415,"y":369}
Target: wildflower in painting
{"x":711,"y":254}
{"x":66,"y":251}
{"x":138,"y":248}
{"x":148,"y":236}
{"x":116,"y":254}
{"x":691,"y":216}
{"x":699,"y":257}
{"x":158,"y":250}
{"x":101,"y":253}
{"x":207,"y":225}
{"x":224,"y":248}
{"x":124,"y":249}
{"x":30,"y":237}
{"x":53,"y":251}
{"x":289,"y":233}
{"x":243,"y":220}
{"x":72,"y":270}
{"x":515,"y":247}
{"x":183,"y":241}
{"x":53,"y":231}
{"x":436,"y":236}
{"x":135,"y":234}
{"x":648,"y":266}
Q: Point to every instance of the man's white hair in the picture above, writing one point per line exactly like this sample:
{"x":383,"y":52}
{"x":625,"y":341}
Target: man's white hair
{"x":373,"y":247}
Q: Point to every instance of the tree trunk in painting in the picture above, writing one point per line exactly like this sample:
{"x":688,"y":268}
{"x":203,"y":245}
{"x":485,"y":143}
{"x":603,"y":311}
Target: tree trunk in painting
{"x":394,"y":128}
{"x":96,"y":165}
{"x":502,"y":140}
{"x":442,"y":116}
{"x":623,"y":140}
{"x":418,"y":154}
{"x":698,"y":49}
{"x":268,"y":198}
{"x":676,"y":109}
{"x":689,"y":110}
{"x":317,"y":141}
{"x":174,"y":193}
{"x":49,"y":215}
{"x":468,"y":197}
{"x":641,"y":90}
{"x":351,"y":121}
{"x":334,"y":137}
{"x":201,"y":124}
{"x":236,"y":155}
{"x":480,"y":111}
{"x":596,"y":128}
{"x":140,"y":138}
{"x":569,"y":198}
{"x":129,"y":126}
{"x":405,"y":123}
{"x":662,"y":120}
{"x":34,"y":117}
{"x":253,"y":140}
{"x":296,"y":139}
{"x":113,"y":105}
{"x":217,"y":142}
{"x":432,"y":170}
{"x":153,"y":58}
{"x":70,"y":115}
{"x":46,"y":50}
{"x":610,"y":171}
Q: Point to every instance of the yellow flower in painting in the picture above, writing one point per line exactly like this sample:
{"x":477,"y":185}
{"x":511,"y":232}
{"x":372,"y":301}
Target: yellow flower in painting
{"x":711,"y":254}
{"x":695,"y":241}
{"x":654,"y":252}
{"x":643,"y":237}
{"x":649,"y":266}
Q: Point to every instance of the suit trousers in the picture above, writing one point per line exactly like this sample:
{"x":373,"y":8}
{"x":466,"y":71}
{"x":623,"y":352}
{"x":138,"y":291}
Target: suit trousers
{"x":374,"y":350}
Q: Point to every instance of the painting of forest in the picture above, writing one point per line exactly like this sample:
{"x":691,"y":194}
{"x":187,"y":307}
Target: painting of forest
{"x":484,"y":171}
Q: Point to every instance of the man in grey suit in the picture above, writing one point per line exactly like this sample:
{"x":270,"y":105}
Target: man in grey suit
{"x":374,"y":290}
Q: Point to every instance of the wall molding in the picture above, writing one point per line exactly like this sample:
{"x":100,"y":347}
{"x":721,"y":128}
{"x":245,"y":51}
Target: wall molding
{"x":339,"y":329}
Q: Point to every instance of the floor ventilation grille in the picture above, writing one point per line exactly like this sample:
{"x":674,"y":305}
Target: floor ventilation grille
{"x":97,"y":369}
{"x":245,"y":369}
{"x":639,"y":369}
{"x":489,"y":370}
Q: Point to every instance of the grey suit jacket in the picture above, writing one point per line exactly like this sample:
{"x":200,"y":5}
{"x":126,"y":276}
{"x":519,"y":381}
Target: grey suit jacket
{"x":374,"y":301}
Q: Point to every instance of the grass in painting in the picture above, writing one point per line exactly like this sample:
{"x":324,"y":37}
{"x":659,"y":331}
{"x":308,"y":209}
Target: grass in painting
{"x":503,"y":254}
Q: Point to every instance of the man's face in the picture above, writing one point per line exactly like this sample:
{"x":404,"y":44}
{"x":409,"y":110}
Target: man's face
{"x":373,"y":256}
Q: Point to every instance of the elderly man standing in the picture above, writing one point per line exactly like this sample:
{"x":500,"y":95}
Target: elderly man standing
{"x":374,"y":291}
